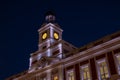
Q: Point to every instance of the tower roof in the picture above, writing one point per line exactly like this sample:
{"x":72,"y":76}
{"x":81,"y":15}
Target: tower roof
{"x":49,"y":13}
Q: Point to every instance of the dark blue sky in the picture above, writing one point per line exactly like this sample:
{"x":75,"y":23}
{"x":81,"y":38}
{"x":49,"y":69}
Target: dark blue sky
{"x":83,"y":21}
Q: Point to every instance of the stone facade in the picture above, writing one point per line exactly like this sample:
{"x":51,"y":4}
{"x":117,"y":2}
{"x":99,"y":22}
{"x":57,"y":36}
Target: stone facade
{"x":57,"y":59}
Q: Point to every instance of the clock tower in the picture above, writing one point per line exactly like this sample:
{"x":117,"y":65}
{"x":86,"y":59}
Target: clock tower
{"x":51,"y":47}
{"x":49,"y":33}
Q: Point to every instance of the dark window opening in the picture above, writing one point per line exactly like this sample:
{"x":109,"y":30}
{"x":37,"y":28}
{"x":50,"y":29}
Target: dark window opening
{"x":55,"y":52}
{"x":44,"y":47}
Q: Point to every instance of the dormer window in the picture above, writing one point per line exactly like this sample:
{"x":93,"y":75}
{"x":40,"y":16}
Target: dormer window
{"x":103,"y":71}
{"x":85,"y":72}
{"x":70,"y":75}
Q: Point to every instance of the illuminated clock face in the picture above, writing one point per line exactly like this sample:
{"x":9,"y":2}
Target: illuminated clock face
{"x":44,"y":36}
{"x":56,"y":36}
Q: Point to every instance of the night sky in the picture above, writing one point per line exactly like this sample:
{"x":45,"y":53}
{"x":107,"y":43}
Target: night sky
{"x":83,"y":21}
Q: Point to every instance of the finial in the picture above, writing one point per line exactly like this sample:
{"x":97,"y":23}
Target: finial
{"x":50,"y":16}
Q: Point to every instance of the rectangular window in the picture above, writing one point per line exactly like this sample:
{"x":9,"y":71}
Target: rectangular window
{"x":55,"y":77}
{"x":70,"y":75}
{"x":117,"y":57}
{"x":103,"y":69}
{"x":85,"y":73}
{"x":56,"y":52}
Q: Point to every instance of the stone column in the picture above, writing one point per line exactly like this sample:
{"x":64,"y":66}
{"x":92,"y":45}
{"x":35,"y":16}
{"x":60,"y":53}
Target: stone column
{"x":60,"y":72}
{"x":48,"y":74}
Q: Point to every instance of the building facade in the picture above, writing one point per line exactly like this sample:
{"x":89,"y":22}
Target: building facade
{"x":57,"y":59}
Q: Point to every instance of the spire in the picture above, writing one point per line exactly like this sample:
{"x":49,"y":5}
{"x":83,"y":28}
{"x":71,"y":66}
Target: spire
{"x":50,"y":16}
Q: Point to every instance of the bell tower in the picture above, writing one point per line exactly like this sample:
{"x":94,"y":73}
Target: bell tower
{"x":51,"y":47}
{"x":50,"y":32}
